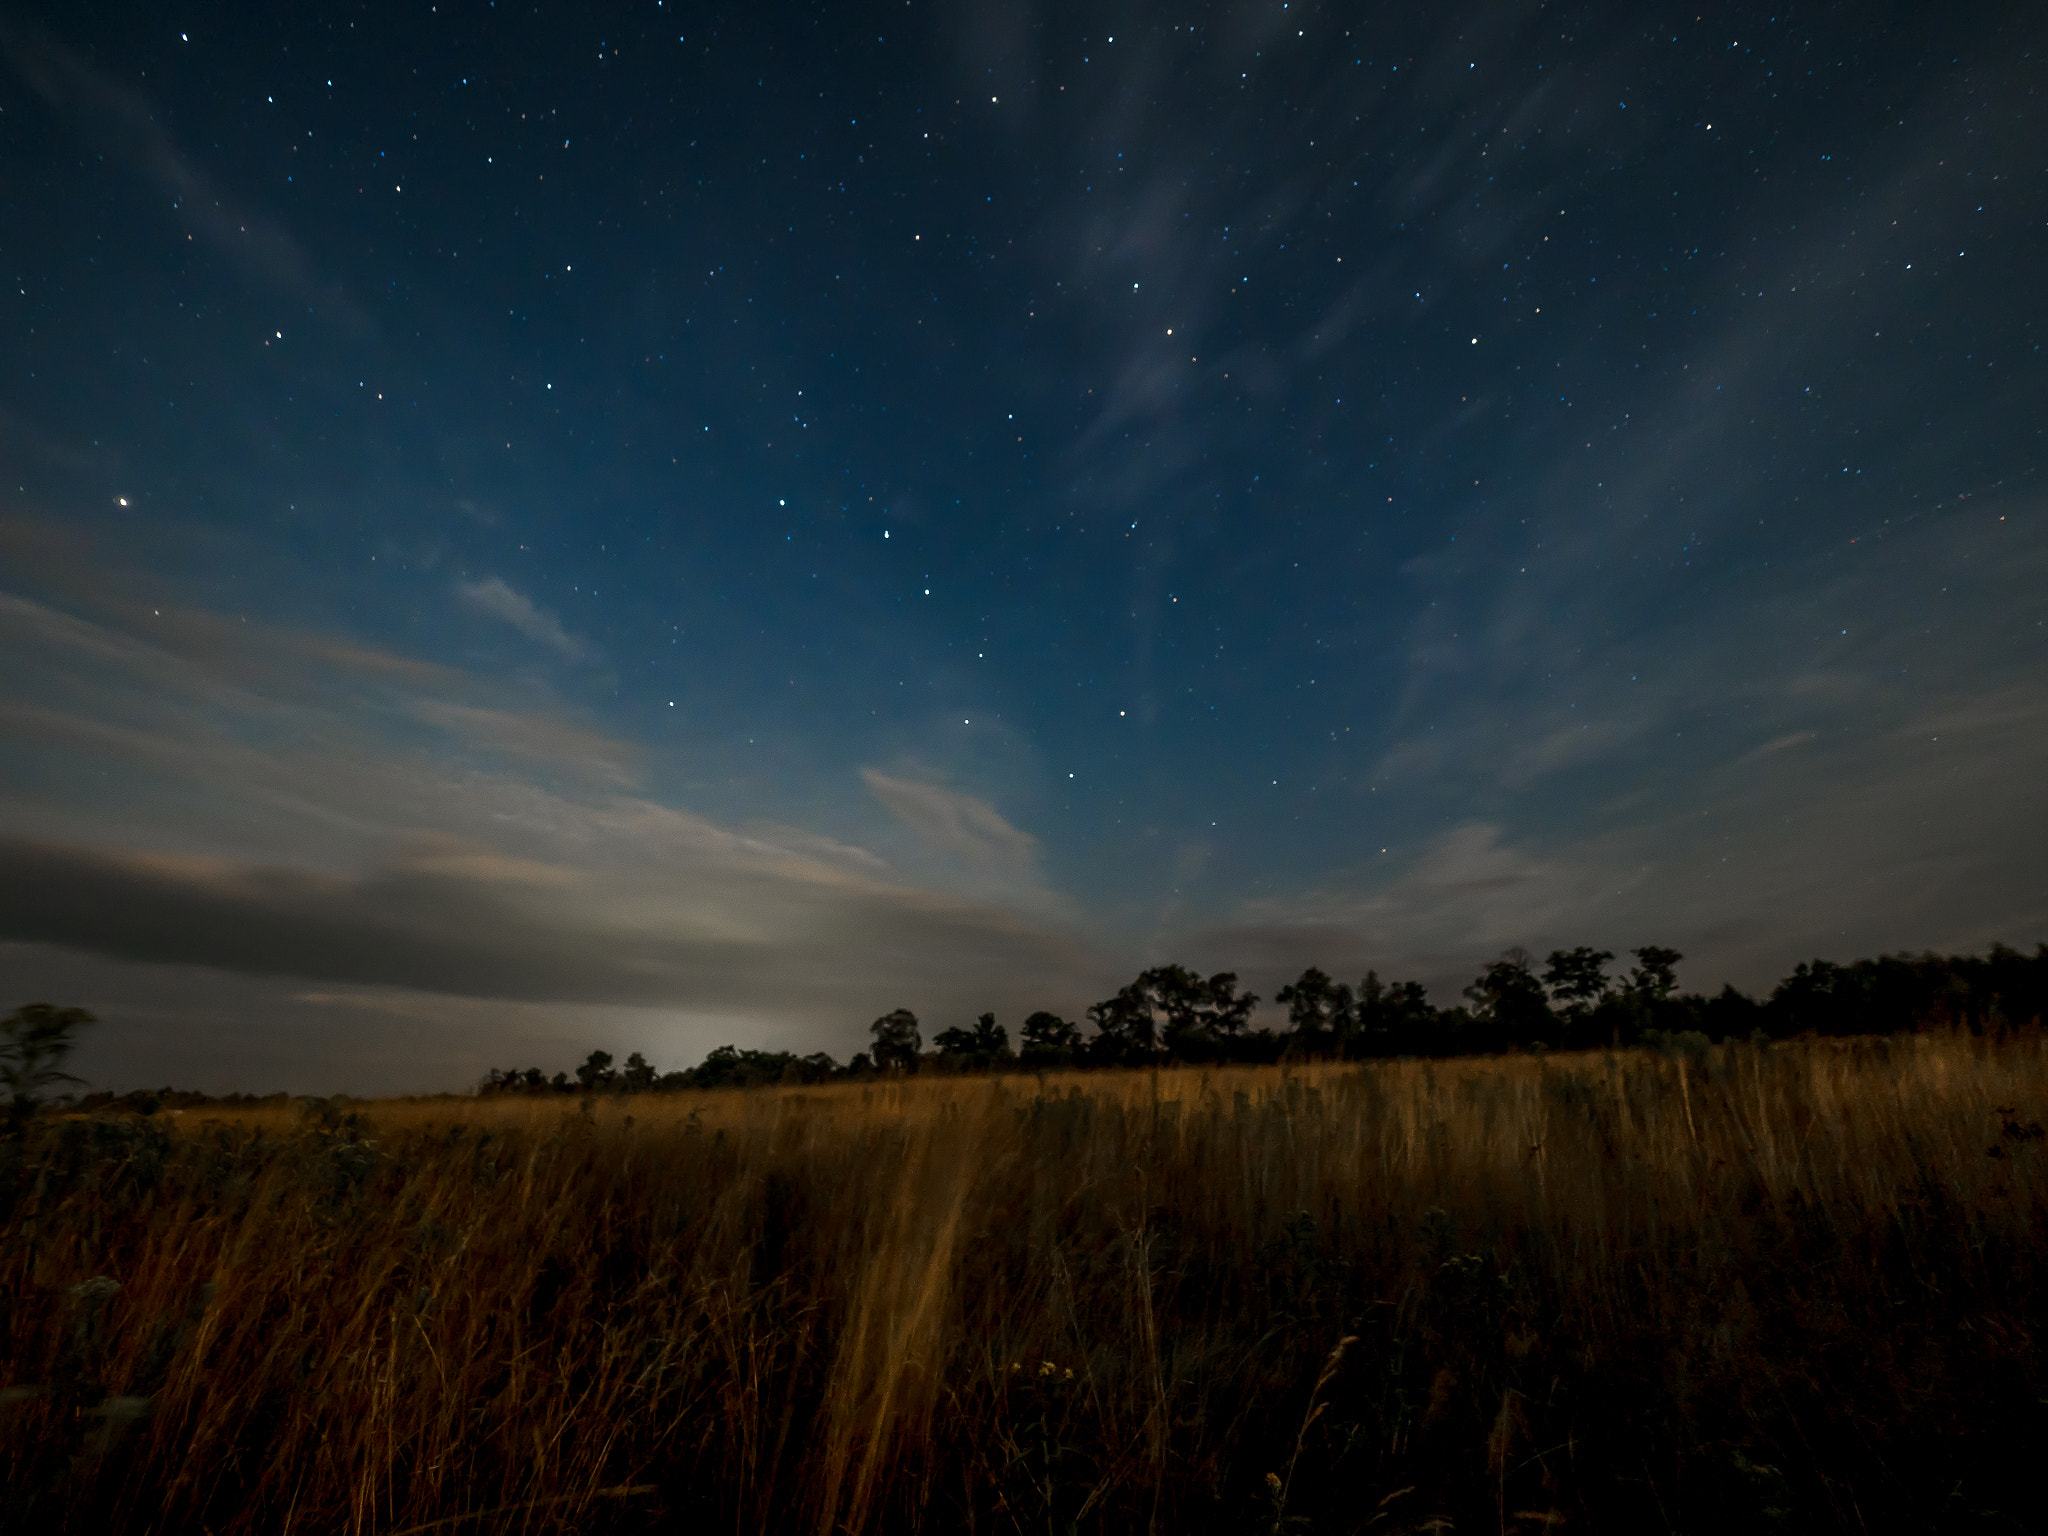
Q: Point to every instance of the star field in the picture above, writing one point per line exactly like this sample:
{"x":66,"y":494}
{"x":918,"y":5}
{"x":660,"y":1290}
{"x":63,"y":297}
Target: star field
{"x":676,"y":523}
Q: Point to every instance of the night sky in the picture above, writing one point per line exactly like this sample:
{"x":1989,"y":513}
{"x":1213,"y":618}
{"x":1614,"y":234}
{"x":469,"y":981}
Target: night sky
{"x":526,"y":528}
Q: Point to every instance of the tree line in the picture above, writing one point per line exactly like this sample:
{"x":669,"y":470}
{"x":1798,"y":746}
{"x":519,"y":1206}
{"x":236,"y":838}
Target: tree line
{"x":1573,"y":1001}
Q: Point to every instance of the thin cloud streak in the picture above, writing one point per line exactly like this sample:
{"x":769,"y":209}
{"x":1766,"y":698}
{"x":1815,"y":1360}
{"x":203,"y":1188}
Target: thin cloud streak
{"x":970,"y":838}
{"x":1921,"y":831}
{"x":120,"y":121}
{"x":494,"y":597}
{"x":476,"y":924}
{"x":395,"y":857}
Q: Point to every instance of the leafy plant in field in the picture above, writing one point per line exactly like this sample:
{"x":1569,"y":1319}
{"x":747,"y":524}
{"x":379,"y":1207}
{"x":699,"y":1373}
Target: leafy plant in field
{"x":2014,"y":1132}
{"x":34,"y":1040}
{"x":1277,"y":1486}
{"x":1045,"y":1471}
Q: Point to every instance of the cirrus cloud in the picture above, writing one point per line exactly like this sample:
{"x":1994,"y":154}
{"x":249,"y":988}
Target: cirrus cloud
{"x":494,"y":597}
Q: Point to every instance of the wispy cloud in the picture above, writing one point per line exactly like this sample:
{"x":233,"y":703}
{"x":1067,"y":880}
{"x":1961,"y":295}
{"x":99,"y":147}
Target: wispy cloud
{"x":494,"y":597}
{"x":541,"y":738}
{"x":118,"y":119}
{"x":721,"y":933}
{"x":970,"y":838}
{"x":1900,"y":821}
{"x":297,"y":823}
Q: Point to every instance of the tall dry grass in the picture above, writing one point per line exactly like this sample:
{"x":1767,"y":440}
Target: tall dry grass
{"x":1763,"y":1288}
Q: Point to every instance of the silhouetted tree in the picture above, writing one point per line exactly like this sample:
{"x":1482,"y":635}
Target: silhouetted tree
{"x":1646,"y":1002}
{"x":596,"y":1071}
{"x":1577,"y":976}
{"x":1809,"y":1001}
{"x":1395,"y":1018}
{"x":730,"y":1067}
{"x":1730,"y":1014}
{"x":720,"y":1068}
{"x":1577,"y":979}
{"x":1902,"y":992}
{"x":1321,"y":1014}
{"x":1170,"y":1011}
{"x":1048,"y":1040}
{"x":638,"y":1076}
{"x":897,"y":1041}
{"x":2009,"y":988}
{"x":1200,"y":1015}
{"x":1125,"y":1032}
{"x":1508,"y":1005}
{"x":982,"y":1046}
{"x":1654,"y":974}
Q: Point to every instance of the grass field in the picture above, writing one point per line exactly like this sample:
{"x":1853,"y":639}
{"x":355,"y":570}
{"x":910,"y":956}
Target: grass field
{"x":1797,"y":1287}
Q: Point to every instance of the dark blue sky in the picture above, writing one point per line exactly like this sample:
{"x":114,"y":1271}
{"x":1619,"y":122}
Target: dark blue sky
{"x":530,"y":527}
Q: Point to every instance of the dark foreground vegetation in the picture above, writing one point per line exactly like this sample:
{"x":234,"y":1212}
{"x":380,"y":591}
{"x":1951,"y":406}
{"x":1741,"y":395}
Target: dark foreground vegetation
{"x":1755,"y":1286}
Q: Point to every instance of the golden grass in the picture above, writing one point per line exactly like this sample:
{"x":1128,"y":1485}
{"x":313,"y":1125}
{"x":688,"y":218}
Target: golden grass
{"x":1782,"y":1287}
